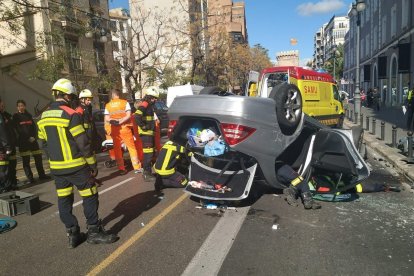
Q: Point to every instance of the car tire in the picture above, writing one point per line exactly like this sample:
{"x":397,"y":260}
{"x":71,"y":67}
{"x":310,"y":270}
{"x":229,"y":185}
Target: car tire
{"x":210,"y":90}
{"x":288,"y":106}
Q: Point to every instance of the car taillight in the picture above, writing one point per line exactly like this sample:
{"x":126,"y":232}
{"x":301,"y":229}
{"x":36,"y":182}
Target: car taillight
{"x":171,"y":126}
{"x":235,"y":133}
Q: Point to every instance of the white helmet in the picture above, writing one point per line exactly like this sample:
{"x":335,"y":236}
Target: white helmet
{"x":152,"y":91}
{"x":85,"y":93}
{"x":64,"y":86}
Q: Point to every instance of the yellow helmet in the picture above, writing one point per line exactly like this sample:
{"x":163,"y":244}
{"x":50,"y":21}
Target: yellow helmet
{"x":152,"y":91}
{"x":64,"y":86}
{"x":85,"y":93}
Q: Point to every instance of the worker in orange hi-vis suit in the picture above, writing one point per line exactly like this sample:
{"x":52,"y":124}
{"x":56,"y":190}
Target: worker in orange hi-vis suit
{"x":118,"y":115}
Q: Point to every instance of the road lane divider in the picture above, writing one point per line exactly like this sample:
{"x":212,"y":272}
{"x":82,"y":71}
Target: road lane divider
{"x":121,"y":249}
{"x":211,"y":255}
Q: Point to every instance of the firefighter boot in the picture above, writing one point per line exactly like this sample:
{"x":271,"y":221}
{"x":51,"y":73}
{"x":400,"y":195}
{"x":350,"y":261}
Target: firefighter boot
{"x":148,"y":177}
{"x":308,"y":201}
{"x":97,"y":235}
{"x":75,"y":236}
{"x":291,"y":195}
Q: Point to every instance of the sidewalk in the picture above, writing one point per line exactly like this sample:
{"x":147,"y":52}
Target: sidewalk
{"x":390,"y":116}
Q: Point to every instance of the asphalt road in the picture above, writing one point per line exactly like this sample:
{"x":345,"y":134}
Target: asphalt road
{"x":169,"y":235}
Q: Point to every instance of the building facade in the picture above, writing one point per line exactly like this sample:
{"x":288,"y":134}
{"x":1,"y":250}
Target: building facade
{"x":327,"y":39}
{"x":386,"y":49}
{"x":54,"y":45}
{"x":287,"y":58}
{"x":120,"y":27}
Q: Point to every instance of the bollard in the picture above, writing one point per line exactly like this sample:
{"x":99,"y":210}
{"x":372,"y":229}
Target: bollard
{"x":356,"y":118}
{"x":410,"y":157}
{"x":352,"y":116}
{"x":362,"y":120}
{"x":374,"y":125}
{"x":367,"y":118}
{"x":382,"y":130}
{"x":394,"y":136}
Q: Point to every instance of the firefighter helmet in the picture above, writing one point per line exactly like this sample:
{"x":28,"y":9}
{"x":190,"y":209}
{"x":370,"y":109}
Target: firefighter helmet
{"x":85,"y":93}
{"x":152,"y":91}
{"x":65,"y":86}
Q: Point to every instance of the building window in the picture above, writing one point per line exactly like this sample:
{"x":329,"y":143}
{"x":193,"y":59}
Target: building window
{"x":74,"y":57}
{"x":112,"y":26}
{"x":123,"y":45}
{"x":100,"y":58}
{"x":121,"y":26}
{"x":115,"y":46}
{"x":384,"y":30}
{"x":405,"y":11}
{"x":393,"y":21}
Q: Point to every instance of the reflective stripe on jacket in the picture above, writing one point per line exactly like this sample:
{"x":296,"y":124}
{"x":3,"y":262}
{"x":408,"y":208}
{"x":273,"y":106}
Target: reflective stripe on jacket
{"x":144,"y":118}
{"x":167,"y":159}
{"x":68,"y":145}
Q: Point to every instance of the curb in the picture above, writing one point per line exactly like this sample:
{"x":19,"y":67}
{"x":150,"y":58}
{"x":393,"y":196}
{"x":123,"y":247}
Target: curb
{"x":391,"y":155}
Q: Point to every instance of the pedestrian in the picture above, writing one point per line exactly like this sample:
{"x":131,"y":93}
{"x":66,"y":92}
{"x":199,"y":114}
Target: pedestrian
{"x":5,"y":150}
{"x":11,"y":182}
{"x":27,"y":142}
{"x":298,"y":186}
{"x":72,"y":163}
{"x":85,"y":110}
{"x":410,"y":110}
{"x":118,"y":115}
{"x":144,"y":118}
{"x":166,"y":166}
{"x":370,"y":97}
{"x":376,"y":96}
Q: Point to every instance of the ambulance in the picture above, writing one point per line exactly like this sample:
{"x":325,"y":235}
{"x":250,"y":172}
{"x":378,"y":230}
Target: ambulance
{"x":319,"y":94}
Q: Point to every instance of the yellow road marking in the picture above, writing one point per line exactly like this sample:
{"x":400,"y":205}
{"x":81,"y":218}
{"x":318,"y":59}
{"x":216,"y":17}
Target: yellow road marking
{"x":111,"y":258}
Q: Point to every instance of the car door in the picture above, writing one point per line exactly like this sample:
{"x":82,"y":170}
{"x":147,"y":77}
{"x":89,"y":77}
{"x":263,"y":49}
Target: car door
{"x":335,"y":156}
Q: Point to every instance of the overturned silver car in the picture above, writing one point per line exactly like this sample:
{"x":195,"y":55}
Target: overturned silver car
{"x":257,"y":140}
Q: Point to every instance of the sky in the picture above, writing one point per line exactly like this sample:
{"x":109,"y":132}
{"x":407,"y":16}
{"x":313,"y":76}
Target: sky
{"x":273,"y":23}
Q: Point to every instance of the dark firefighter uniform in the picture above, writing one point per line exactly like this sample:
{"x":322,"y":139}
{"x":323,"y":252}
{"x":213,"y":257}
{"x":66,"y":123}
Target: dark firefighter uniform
{"x":88,"y":124}
{"x":166,"y":163}
{"x":71,"y":160}
{"x":144,"y":118}
{"x":11,"y":182}
{"x":26,"y":131}
{"x":4,"y":149}
{"x":297,"y":185}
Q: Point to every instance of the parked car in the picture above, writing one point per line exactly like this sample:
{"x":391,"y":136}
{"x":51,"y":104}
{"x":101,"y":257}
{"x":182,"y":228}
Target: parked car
{"x":257,"y":139}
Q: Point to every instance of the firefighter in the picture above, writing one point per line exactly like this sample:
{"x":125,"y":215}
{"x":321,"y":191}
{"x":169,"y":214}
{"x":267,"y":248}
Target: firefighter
{"x":144,"y":118}
{"x":11,"y":181}
{"x":85,"y":109}
{"x":27,"y":142}
{"x":165,"y":166}
{"x":297,"y":186}
{"x":5,"y":149}
{"x":72,"y":163}
{"x":112,"y":162}
{"x":118,"y":115}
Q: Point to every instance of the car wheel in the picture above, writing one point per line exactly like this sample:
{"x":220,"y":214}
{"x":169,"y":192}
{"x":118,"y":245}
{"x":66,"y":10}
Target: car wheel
{"x":288,"y":106}
{"x":210,"y":90}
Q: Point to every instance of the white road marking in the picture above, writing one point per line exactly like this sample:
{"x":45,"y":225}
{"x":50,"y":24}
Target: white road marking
{"x":215,"y":248}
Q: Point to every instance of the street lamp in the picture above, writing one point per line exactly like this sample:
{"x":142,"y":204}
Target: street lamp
{"x":95,"y":26}
{"x":357,"y":8}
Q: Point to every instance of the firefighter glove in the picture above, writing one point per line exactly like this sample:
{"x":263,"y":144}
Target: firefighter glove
{"x":94,"y":172}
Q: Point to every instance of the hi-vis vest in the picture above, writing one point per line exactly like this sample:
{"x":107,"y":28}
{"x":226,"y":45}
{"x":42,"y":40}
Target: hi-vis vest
{"x":116,"y":109}
{"x":67,"y":143}
{"x":167,"y":159}
{"x":144,"y":115}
